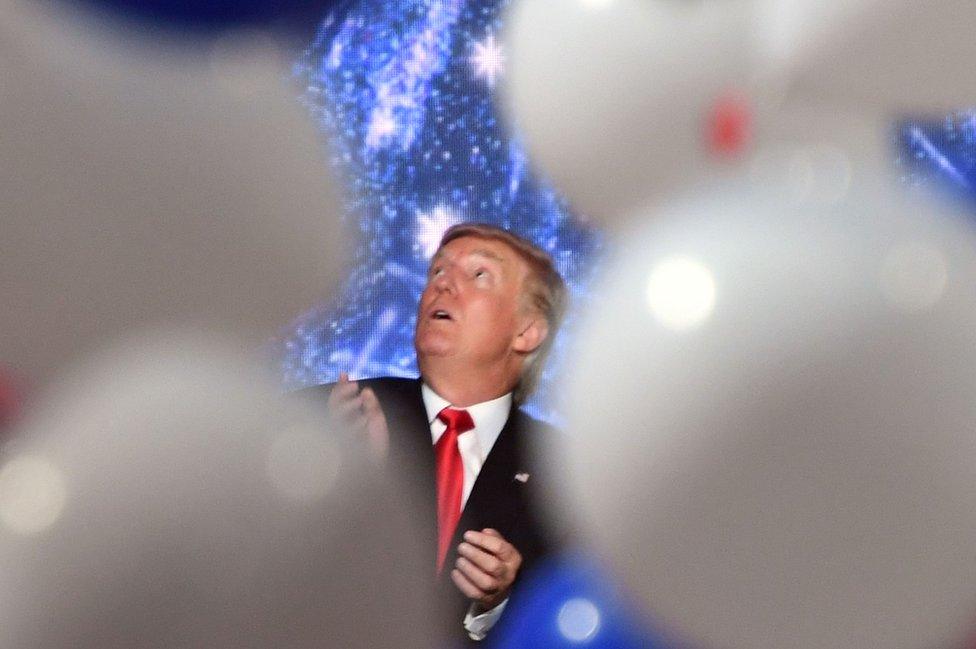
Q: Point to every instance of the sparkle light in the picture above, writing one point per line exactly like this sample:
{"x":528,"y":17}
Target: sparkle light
{"x":431,"y":227}
{"x":488,"y":60}
{"x":381,"y":127}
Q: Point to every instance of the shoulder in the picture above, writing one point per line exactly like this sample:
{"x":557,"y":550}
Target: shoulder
{"x":534,"y":433}
{"x":525,"y":421}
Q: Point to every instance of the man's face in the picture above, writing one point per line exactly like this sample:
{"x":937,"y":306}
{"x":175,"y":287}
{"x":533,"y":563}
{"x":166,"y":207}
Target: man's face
{"x":471,"y":307}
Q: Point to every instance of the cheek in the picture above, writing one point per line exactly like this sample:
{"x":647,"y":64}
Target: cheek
{"x":500,"y":313}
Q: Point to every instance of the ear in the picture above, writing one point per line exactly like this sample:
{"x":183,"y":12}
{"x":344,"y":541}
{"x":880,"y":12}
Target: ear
{"x":532,"y":332}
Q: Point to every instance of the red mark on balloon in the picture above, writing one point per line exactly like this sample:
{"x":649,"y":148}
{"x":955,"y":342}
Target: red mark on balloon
{"x":11,"y":399}
{"x":729,"y":127}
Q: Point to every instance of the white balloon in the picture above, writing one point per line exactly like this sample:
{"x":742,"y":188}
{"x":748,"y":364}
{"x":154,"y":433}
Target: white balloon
{"x":149,"y":183}
{"x":163,"y":497}
{"x":772,"y":436}
{"x":884,"y":58}
{"x":614,"y":98}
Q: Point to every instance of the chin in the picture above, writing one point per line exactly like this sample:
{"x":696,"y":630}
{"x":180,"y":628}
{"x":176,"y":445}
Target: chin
{"x":431,"y":345}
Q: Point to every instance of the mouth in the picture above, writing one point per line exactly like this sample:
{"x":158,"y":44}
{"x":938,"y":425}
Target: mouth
{"x":440,"y":314}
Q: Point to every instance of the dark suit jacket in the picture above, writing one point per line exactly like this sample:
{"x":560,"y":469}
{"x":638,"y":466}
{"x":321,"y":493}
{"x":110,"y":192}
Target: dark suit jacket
{"x":498,"y":500}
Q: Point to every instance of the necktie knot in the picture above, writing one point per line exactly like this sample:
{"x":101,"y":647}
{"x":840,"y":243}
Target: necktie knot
{"x":457,"y":421}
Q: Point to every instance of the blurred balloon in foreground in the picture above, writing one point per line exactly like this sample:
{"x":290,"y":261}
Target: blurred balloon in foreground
{"x":656,"y":95}
{"x":148,"y":184}
{"x":881,"y":57}
{"x":773,"y":438}
{"x":568,"y":602}
{"x":624,"y":100}
{"x":161,"y":496}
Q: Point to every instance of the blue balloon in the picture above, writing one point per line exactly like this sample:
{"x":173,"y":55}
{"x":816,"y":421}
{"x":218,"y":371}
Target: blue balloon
{"x":570,"y":603}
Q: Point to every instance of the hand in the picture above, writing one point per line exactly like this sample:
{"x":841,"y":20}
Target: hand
{"x":360,"y":411}
{"x":487,"y":567}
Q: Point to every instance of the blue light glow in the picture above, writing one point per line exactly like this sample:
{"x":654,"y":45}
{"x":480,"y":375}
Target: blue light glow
{"x":940,"y":154}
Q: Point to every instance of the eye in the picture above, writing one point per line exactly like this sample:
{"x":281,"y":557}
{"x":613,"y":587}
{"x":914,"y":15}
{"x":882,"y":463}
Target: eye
{"x":436,"y":271}
{"x":481,"y":272}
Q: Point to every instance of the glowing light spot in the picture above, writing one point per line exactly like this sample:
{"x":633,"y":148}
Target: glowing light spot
{"x":578,"y":620}
{"x":488,"y":60}
{"x":431,"y":227}
{"x":32,"y":495}
{"x":381,"y":127}
{"x":914,"y":276}
{"x":681,"y":293}
{"x":303,"y":464}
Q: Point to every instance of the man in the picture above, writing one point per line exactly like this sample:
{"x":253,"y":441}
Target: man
{"x":486,"y":320}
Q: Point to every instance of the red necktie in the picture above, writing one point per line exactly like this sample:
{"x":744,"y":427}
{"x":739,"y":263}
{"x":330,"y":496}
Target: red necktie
{"x":450,"y":478}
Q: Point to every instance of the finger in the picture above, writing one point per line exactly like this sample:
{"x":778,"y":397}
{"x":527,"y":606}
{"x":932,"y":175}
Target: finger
{"x":478,"y":577}
{"x":342,"y":392}
{"x":495,"y":545}
{"x":488,"y":563}
{"x":343,"y":377}
{"x":349,"y":410}
{"x":371,"y":405}
{"x":346,"y":388}
{"x":465,"y":586}
{"x":375,"y":421}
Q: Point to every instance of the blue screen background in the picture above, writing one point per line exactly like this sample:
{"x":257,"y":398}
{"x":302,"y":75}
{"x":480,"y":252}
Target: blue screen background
{"x":403,"y":89}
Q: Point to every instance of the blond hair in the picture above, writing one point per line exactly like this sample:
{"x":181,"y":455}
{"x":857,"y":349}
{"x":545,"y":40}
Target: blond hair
{"x":544,"y":288}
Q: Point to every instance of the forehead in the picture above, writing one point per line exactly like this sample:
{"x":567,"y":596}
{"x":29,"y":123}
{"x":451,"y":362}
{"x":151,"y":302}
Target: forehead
{"x":467,"y":246}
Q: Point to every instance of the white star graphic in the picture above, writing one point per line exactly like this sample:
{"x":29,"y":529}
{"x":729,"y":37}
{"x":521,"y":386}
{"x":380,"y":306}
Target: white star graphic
{"x":488,"y":60}
{"x":431,"y":227}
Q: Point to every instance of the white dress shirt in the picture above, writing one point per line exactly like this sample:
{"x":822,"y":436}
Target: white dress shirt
{"x":474,"y":445}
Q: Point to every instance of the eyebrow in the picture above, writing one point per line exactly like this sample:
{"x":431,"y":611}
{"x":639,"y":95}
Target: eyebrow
{"x":481,"y":252}
{"x":489,"y":254}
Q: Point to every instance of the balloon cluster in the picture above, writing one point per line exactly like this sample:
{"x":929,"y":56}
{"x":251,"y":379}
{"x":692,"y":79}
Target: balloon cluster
{"x":771,"y":430}
{"x":163,"y":496}
{"x":655,"y":95}
{"x":144,"y":184}
{"x":163,"y":210}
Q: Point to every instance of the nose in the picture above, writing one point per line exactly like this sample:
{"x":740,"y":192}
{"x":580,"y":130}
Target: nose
{"x":444,"y":282}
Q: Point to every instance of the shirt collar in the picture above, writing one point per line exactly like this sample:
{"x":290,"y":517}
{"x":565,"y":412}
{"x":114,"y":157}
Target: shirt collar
{"x":489,"y":416}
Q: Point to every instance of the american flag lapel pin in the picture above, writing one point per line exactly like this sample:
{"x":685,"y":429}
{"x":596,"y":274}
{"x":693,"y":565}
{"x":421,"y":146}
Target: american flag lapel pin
{"x":522,"y":477}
